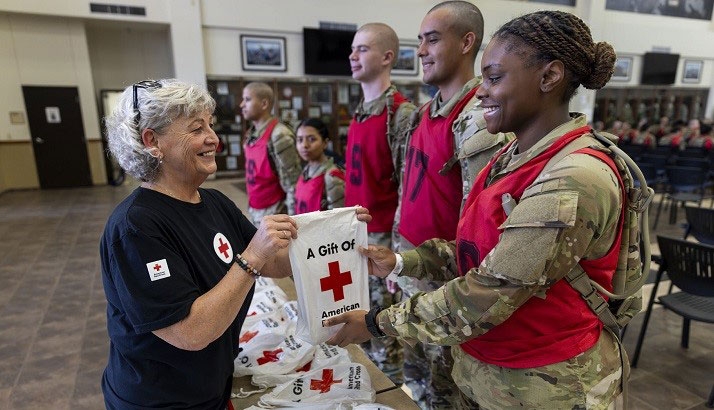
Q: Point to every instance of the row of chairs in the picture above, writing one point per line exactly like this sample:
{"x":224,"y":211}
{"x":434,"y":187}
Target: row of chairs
{"x":636,"y":152}
{"x":679,"y":178}
{"x":690,"y":267}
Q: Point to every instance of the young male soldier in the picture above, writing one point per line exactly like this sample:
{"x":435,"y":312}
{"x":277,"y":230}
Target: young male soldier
{"x":375,"y":141}
{"x":446,"y":150}
{"x":272,"y":164}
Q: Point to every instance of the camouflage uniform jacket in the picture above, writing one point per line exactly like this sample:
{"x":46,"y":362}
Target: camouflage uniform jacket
{"x":398,"y":123}
{"x":475,"y":145}
{"x":579,"y":192}
{"x":284,"y":158}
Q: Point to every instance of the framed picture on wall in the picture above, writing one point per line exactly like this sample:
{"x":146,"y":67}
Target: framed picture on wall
{"x":407,"y":61}
{"x":263,"y":53}
{"x":623,"y":69}
{"x":692,"y":71}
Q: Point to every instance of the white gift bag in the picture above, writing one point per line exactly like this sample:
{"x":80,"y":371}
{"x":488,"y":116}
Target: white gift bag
{"x":335,"y":386}
{"x":265,"y":357}
{"x":262,"y":282}
{"x":325,"y":355}
{"x":290,"y":312}
{"x":265,"y":302}
{"x":330,"y":274}
{"x":268,"y":331}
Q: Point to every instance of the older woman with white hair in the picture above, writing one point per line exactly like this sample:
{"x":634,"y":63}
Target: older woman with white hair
{"x":178,"y":261}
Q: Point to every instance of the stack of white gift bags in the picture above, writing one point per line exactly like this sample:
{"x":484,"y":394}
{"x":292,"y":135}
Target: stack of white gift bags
{"x":282,"y":341}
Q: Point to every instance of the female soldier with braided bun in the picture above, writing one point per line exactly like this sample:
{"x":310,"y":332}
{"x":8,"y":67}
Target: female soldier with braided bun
{"x":548,"y":204}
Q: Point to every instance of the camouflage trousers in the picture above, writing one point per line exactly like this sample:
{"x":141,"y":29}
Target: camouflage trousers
{"x":256,"y":215}
{"x":385,"y":352}
{"x":427,"y":368}
{"x":590,"y":380}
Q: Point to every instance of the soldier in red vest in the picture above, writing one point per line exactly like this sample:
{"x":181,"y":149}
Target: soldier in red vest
{"x":321,"y":185}
{"x":272,"y":165}
{"x":375,"y":143}
{"x":447,"y":148}
{"x":548,"y":205}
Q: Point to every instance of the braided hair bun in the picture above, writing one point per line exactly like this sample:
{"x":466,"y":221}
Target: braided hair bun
{"x":565,"y":37}
{"x":604,"y":66}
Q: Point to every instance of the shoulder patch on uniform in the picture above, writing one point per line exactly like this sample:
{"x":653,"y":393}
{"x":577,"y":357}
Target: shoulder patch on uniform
{"x":158,"y":269}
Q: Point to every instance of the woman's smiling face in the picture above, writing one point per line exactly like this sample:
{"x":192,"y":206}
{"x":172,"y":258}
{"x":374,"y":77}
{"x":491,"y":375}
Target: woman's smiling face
{"x":510,"y":92}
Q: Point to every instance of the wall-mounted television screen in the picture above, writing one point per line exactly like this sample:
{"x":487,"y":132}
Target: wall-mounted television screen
{"x":659,"y":68}
{"x":327,"y":52}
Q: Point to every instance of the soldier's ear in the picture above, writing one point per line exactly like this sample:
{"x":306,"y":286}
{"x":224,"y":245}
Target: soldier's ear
{"x":388,"y":58}
{"x":552,"y":77}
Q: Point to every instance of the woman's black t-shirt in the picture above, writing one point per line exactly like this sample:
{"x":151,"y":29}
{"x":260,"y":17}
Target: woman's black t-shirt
{"x":158,"y":255}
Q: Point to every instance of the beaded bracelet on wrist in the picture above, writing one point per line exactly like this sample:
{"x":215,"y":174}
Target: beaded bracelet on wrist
{"x":240,"y":260}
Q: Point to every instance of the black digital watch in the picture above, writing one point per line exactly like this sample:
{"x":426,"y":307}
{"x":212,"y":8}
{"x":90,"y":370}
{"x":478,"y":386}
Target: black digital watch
{"x":371,"y":320}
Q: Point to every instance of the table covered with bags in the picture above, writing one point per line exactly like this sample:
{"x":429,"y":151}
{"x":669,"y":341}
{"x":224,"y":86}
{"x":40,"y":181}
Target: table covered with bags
{"x":275,"y":369}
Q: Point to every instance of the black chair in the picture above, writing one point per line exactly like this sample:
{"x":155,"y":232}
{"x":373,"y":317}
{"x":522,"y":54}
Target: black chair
{"x":685,"y":184}
{"x":633,"y":151}
{"x":692,"y":152}
{"x":701,"y":163}
{"x":689,"y":266}
{"x":658,"y":161}
{"x":700,"y":224}
{"x":665,"y":150}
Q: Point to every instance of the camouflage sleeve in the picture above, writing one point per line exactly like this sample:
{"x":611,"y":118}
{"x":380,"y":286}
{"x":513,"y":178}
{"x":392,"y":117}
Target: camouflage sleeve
{"x":433,"y":260}
{"x":475,"y":144}
{"x":568,"y":214}
{"x":399,"y":128}
{"x":412,"y":123}
{"x":334,"y":191}
{"x":287,"y":162}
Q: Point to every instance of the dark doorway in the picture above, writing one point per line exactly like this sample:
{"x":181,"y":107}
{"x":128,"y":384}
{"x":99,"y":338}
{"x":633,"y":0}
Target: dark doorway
{"x":57,"y":134}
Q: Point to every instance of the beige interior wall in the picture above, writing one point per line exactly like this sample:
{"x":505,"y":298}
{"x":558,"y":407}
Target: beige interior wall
{"x":95,"y":152}
{"x":17,"y":166}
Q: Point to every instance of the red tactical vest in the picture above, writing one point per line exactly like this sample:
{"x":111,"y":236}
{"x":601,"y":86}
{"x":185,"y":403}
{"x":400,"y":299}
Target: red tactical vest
{"x":370,"y":171}
{"x":262,"y":183}
{"x":541,"y":331}
{"x":431,"y":202}
{"x":309,"y":194}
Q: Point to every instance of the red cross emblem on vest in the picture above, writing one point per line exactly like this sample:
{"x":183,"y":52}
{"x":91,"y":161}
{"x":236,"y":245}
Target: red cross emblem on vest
{"x":326,"y":383}
{"x":247,"y":336}
{"x":336,"y":281}
{"x":269,"y":356}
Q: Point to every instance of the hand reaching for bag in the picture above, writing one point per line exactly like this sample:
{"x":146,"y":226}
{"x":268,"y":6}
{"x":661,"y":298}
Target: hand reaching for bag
{"x":381,"y":260}
{"x":353,"y":331}
{"x":275,"y":233}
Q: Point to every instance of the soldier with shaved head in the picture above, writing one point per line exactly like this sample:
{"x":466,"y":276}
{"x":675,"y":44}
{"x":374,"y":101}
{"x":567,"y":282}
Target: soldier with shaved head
{"x":447,"y":148}
{"x":272,"y":164}
{"x":375,"y":142}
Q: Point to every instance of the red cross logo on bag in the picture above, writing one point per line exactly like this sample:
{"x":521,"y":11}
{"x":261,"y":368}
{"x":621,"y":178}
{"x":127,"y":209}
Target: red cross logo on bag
{"x":305,"y":368}
{"x":326,"y":383}
{"x":269,"y":356}
{"x":247,"y":336}
{"x":336,"y":281}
